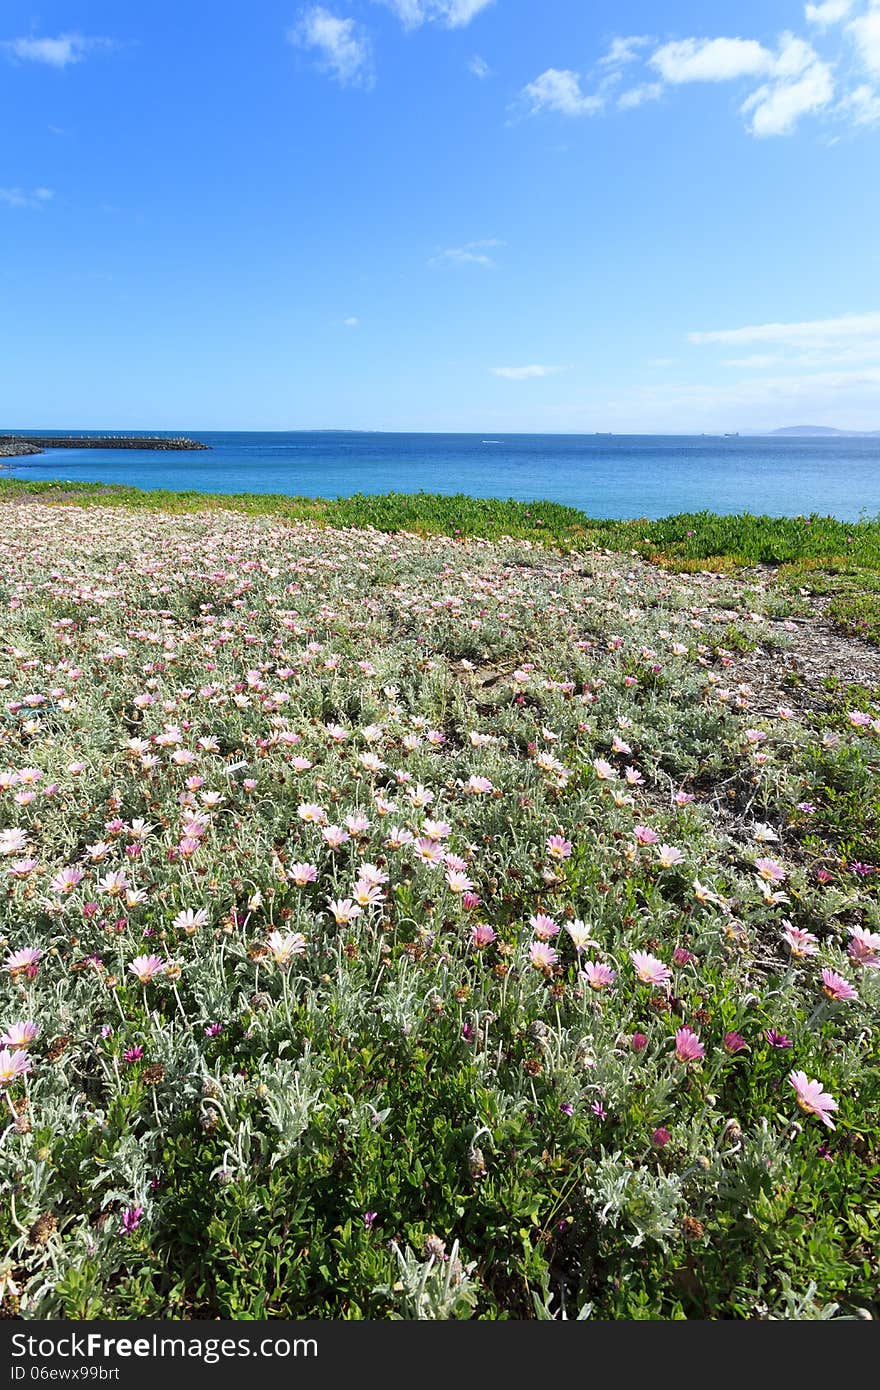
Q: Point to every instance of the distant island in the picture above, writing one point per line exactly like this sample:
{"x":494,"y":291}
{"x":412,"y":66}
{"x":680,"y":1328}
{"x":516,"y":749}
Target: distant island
{"x":822,"y":430}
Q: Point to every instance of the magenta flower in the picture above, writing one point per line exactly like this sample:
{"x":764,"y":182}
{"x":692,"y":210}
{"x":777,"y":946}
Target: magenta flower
{"x":133,"y":1054}
{"x":733,"y":1043}
{"x":213,"y":1029}
{"x":682,"y":957}
{"x":688,"y":1047}
{"x":599,"y":1110}
{"x":131,"y":1219}
{"x":777,"y":1039}
{"x":638,"y":1042}
{"x":661,"y":1137}
{"x":369,"y":1219}
{"x":567,"y":1108}
{"x":812,"y":1099}
{"x":645,"y":835}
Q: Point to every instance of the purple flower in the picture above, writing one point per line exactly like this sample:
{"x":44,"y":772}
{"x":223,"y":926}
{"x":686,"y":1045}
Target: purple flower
{"x":661,"y":1137}
{"x":369,"y":1219}
{"x":639,"y":1042}
{"x":777,"y":1039}
{"x":733,"y":1043}
{"x":213,"y":1029}
{"x":133,"y":1054}
{"x":467,"y":1032}
{"x":131,"y":1218}
{"x":567,"y":1108}
{"x":599,"y":1110}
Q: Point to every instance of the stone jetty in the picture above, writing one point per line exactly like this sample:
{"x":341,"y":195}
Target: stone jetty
{"x":12,"y":445}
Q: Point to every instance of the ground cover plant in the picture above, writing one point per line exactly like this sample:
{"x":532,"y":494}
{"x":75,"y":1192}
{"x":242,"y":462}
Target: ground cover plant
{"x":425,"y":926}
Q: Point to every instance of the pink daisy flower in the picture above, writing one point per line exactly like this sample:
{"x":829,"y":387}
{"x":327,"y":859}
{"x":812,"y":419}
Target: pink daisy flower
{"x":649,"y":969}
{"x":836,"y":987}
{"x":542,"y":956}
{"x":812,"y":1099}
{"x":558,"y":847}
{"x":13,"y":1065}
{"x":544,"y":927}
{"x":598,"y":977}
{"x":147,"y":967}
{"x":800,"y":943}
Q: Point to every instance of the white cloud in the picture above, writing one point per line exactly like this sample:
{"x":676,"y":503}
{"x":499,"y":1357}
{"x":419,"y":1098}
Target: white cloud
{"x":624,"y":50}
{"x":637,"y":96}
{"x":862,"y":105}
{"x":810,"y":333}
{"x":524,"y":373}
{"x":351,"y":322}
{"x":777,"y":107}
{"x":827,"y":13}
{"x":711,"y":60}
{"x":479,"y":67}
{"x":343,"y":48}
{"x":453,"y":14}
{"x":25,"y":198}
{"x":866,"y":33}
{"x":472,"y":253}
{"x":59,"y":52}
{"x":559,"y":89}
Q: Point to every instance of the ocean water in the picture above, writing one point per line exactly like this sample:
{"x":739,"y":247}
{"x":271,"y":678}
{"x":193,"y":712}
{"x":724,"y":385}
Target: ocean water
{"x":603,"y":475}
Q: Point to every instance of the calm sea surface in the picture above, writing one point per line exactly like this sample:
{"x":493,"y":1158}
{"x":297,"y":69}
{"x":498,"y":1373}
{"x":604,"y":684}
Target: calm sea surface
{"x":604,"y":475}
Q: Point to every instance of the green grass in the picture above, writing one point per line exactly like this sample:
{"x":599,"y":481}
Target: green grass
{"x":686,"y":538}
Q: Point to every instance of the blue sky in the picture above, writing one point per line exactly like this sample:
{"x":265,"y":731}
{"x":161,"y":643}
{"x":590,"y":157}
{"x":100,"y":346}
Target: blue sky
{"x":560,"y":215}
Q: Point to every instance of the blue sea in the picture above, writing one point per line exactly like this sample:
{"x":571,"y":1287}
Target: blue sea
{"x":603,"y":475}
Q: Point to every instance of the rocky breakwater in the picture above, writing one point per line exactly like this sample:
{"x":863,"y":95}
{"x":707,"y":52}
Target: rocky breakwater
{"x":14,"y":448}
{"x":13,"y":445}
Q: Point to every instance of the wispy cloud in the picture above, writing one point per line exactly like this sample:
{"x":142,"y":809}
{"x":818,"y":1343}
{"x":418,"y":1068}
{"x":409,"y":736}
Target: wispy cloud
{"x":472,"y":253}
{"x":535,"y":369}
{"x":479,"y":67}
{"x":812,"y":333}
{"x":351,"y":322}
{"x":26,"y":198}
{"x":59,"y":52}
{"x":624,"y":49}
{"x":343,"y":49}
{"x":637,"y":96}
{"x":453,"y":14}
{"x":559,"y":89}
{"x":865,"y":32}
